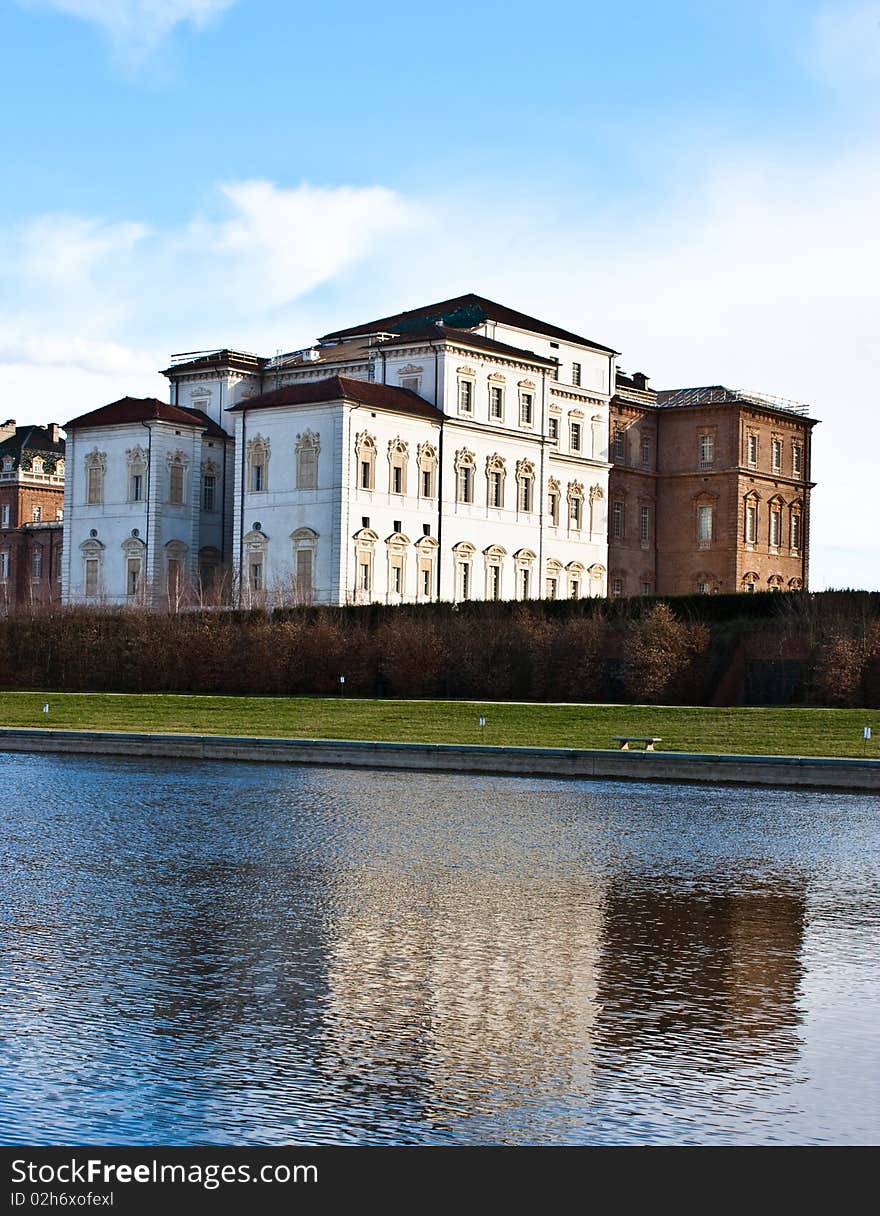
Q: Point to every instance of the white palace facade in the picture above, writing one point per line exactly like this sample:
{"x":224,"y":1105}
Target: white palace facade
{"x":453,"y":452}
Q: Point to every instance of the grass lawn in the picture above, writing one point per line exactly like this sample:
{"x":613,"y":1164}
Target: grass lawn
{"x":795,"y":732}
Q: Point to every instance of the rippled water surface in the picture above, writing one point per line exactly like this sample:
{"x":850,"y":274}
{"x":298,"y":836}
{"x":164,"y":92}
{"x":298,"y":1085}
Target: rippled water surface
{"x":199,"y":953}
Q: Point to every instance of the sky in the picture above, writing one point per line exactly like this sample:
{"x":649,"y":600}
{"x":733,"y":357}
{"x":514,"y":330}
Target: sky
{"x":696,"y":185}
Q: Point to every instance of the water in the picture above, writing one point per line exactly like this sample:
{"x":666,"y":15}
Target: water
{"x":214,"y":953}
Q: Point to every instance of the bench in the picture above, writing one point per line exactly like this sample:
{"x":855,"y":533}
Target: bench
{"x":625,"y":740}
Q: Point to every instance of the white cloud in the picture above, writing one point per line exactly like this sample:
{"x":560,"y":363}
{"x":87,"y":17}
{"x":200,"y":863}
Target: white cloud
{"x":761,"y":273}
{"x":844,"y":48}
{"x":136,"y":27}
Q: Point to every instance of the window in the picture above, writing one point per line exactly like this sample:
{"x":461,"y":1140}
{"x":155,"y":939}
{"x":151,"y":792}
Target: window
{"x":775,"y":527}
{"x":209,"y":491}
{"x":704,"y":587}
{"x":255,"y":570}
{"x":308,"y":445}
{"x":707,"y":451}
{"x":37,"y":515}
{"x":426,"y":454}
{"x":797,"y":460}
{"x":576,"y":373}
{"x":619,"y":446}
{"x":553,"y":428}
{"x":133,"y":575}
{"x":175,"y":484}
{"x":553,"y":502}
{"x":396,"y":579}
{"x":526,"y":409}
{"x":37,"y":562}
{"x":496,"y":486}
{"x":574,"y":588}
{"x":96,"y":464}
{"x":795,"y":530}
{"x":525,"y":478}
{"x":136,"y":458}
{"x":575,"y":506}
{"x":465,"y":396}
{"x":551,"y":588}
{"x":463,"y":578}
{"x":411,"y":383}
{"x":752,"y":450}
{"x":644,"y":524}
{"x":136,"y":487}
{"x":524,"y":576}
{"x":4,"y":519}
{"x":365,"y":450}
{"x":91,"y":576}
{"x":426,"y":581}
{"x":776,"y":454}
{"x":398,"y":458}
{"x":576,"y":432}
{"x":4,"y":566}
{"x":496,"y":402}
{"x":646,"y":587}
{"x":704,"y":526}
{"x":751,"y":523}
{"x":258,"y":464}
{"x":616,"y":585}
{"x":646,"y":452}
{"x":617,"y":520}
{"x":464,"y":476}
{"x":493,"y":584}
{"x":555,"y":372}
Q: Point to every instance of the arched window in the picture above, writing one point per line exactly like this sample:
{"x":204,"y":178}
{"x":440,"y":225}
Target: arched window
{"x":463,"y":554}
{"x":426,"y":548}
{"x":136,"y":459}
{"x":750,"y":582}
{"x":177,"y":469}
{"x":705,"y":583}
{"x":553,"y":580}
{"x":493,"y":559}
{"x":258,"y":464}
{"x":795,"y":584}
{"x":254,"y":574}
{"x":575,"y":506}
{"x":525,"y":487}
{"x":495,"y":479}
{"x":398,"y":459}
{"x":305,"y":554}
{"x":134,"y":550}
{"x":93,"y":559}
{"x":553,"y":496}
{"x":96,"y":467}
{"x":524,"y":560}
{"x":364,"y":554}
{"x":365,"y":454}
{"x":397,"y":545}
{"x":775,"y":582}
{"x":308,"y":447}
{"x":465,"y":465}
{"x":426,"y":455}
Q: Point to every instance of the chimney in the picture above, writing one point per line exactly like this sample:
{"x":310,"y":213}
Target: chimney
{"x":640,"y":380}
{"x":7,"y":429}
{"x":54,"y":432}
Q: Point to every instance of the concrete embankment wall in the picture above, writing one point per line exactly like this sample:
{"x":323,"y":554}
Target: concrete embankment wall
{"x":462,"y":758}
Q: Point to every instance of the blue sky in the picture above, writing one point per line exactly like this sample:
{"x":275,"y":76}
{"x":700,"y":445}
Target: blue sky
{"x":695,"y":184}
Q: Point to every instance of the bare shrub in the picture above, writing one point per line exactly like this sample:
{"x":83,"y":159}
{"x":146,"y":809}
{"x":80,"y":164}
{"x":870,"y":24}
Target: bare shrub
{"x":657,"y":650}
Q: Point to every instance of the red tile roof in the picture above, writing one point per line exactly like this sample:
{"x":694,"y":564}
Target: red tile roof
{"x":145,"y":409}
{"x":344,"y":388}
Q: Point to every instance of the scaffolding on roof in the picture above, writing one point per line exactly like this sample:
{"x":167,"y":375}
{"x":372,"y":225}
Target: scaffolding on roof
{"x":717,"y":393}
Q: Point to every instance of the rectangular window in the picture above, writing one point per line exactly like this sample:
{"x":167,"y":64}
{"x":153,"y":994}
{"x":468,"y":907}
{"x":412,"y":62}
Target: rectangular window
{"x":526,"y":409}
{"x":412,"y":384}
{"x":574,"y":588}
{"x":796,"y":532}
{"x":304,"y":571}
{"x":426,"y":582}
{"x":465,"y":484}
{"x":707,"y":451}
{"x":209,"y":491}
{"x":427,"y":484}
{"x":495,"y":495}
{"x":524,"y":584}
{"x":366,"y":475}
{"x":553,"y":507}
{"x":576,"y":436}
{"x":258,"y":478}
{"x":94,"y":485}
{"x":555,"y":372}
{"x":307,"y":469}
{"x":619,"y":446}
{"x":496,"y":403}
{"x":775,"y":529}
{"x":465,"y":396}
{"x":617,"y":585}
{"x":751,"y":525}
{"x":37,"y":563}
{"x":133,"y":575}
{"x":256,"y":574}
{"x":617,"y":520}
{"x":396,"y":479}
{"x":576,"y":373}
{"x":752,"y":449}
{"x":574,"y":513}
{"x":525,"y":494}
{"x":364,"y":580}
{"x":644,"y":524}
{"x":646,"y":588}
{"x":646,"y":452}
{"x":797,"y":459}
{"x":494,"y":582}
{"x":37,"y":515}
{"x":91,"y":576}
{"x":776,"y":454}
{"x":464,"y":580}
{"x":396,"y":579}
{"x":551,"y":588}
{"x":553,"y":428}
{"x":175,"y":492}
{"x":704,"y":526}
{"x":4,"y":522}
{"x":4,"y":566}
{"x":136,"y":488}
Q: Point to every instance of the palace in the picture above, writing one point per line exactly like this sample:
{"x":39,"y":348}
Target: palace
{"x":458,"y":451}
